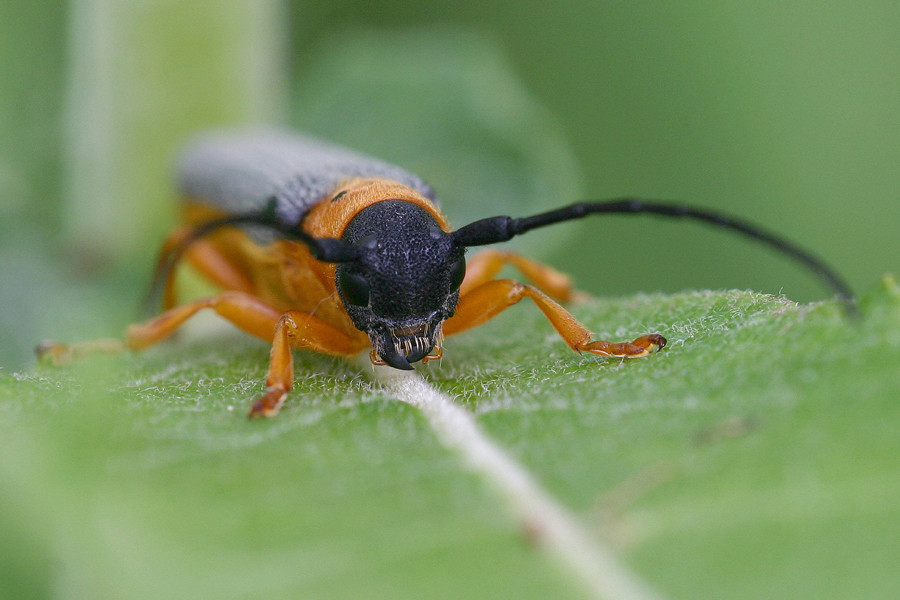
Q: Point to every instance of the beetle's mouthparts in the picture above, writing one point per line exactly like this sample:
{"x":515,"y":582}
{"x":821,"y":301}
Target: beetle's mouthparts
{"x":404,"y":345}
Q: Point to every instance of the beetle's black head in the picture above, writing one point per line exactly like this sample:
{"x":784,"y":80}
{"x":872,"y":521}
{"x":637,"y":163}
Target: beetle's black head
{"x":405,"y":282}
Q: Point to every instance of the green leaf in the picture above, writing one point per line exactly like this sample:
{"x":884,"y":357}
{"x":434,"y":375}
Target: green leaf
{"x":754,"y":457}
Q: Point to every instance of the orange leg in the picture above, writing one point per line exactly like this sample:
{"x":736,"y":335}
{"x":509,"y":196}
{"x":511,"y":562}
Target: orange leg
{"x":485,"y":265}
{"x":489,"y":299}
{"x":218,"y":268}
{"x":204,"y":255}
{"x":291,"y":329}
{"x":173,"y":241}
{"x":243,"y":310}
{"x":58,"y":353}
{"x":296,"y":329}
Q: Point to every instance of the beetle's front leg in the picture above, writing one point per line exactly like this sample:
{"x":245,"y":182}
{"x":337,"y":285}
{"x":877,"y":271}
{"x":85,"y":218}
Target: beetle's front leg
{"x":490,"y":299}
{"x":296,"y":329}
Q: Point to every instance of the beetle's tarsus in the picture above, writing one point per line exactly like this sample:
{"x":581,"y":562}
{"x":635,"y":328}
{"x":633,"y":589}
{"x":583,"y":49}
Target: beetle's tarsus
{"x":53,"y":353}
{"x":578,"y":297}
{"x":638,"y":348}
{"x":56,"y":353}
{"x":269,"y":403}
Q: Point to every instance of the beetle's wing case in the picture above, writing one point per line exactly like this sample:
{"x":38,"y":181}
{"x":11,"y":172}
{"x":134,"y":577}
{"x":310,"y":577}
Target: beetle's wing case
{"x":241,"y":172}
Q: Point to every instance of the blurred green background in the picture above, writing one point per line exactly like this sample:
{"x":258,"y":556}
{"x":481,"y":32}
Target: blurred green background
{"x":783,"y":113}
{"x":786,"y":113}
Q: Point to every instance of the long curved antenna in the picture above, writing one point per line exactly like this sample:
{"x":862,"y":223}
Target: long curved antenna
{"x":325,"y":249}
{"x":500,"y":229}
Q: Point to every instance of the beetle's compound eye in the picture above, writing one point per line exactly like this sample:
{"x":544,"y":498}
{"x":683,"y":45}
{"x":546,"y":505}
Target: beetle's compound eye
{"x":457,"y":273}
{"x":354,"y":288}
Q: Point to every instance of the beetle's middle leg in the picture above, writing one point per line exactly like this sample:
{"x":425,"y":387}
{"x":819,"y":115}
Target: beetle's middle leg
{"x":291,"y":329}
{"x":485,"y":265}
{"x":243,"y":310}
{"x":490,"y":299}
{"x":207,"y":258}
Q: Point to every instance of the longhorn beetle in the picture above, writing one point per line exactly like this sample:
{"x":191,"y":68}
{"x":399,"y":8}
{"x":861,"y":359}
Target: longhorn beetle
{"x":321,"y":248}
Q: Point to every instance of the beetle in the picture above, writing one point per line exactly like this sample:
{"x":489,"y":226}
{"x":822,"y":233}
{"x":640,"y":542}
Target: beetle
{"x":319,"y":247}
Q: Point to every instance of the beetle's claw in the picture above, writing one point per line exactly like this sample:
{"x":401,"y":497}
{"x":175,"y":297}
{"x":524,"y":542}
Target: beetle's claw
{"x":646,"y":344}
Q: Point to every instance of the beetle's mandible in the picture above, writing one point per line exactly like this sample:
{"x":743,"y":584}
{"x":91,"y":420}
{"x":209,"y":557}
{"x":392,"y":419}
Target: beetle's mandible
{"x":321,"y":248}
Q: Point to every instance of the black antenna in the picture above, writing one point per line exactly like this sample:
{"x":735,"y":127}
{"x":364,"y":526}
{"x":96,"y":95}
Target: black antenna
{"x":331,"y":250}
{"x":500,"y":229}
